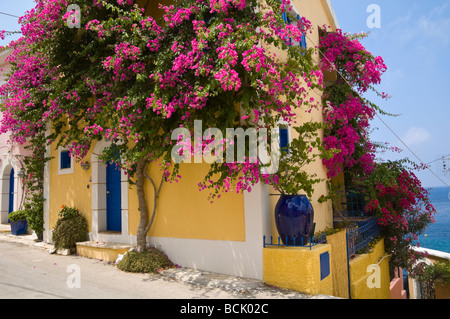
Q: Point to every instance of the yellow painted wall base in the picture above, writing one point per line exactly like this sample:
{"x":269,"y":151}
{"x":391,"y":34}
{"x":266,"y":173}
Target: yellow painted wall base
{"x":361,"y":273}
{"x":442,"y":291}
{"x":102,"y":251}
{"x":296,"y":268}
{"x":338,"y":243}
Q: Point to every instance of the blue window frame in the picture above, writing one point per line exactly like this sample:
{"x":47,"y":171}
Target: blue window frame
{"x":11,"y":192}
{"x":284,"y":138}
{"x":65,"y":160}
{"x":302,"y":43}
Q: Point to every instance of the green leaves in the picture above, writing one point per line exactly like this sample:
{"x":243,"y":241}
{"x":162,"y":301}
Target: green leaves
{"x":303,"y":150}
{"x":17,"y":215}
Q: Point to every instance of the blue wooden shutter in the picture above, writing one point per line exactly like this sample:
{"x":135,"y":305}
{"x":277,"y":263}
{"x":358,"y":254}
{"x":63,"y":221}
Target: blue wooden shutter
{"x":287,"y":21}
{"x":285,"y":18}
{"x":324,"y":265}
{"x":284,"y":139}
{"x":65,"y":160}
{"x":303,"y":42}
{"x":11,"y":192}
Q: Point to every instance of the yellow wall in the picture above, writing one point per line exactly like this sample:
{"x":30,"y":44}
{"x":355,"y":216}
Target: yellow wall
{"x":185,"y":212}
{"x":442,"y":291}
{"x":338,"y":243}
{"x":297,"y":269}
{"x":72,"y":190}
{"x":359,"y":274}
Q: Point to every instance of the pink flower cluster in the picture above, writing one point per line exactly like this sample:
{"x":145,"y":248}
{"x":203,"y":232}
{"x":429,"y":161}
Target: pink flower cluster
{"x":241,"y":177}
{"x":341,"y":52}
{"x":228,"y":78}
{"x":124,"y":63}
{"x":224,"y":5}
{"x":402,"y":207}
{"x":176,"y":16}
{"x":349,"y":123}
{"x":31,"y":72}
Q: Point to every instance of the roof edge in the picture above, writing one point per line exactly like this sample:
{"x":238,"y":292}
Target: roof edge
{"x":330,"y":13}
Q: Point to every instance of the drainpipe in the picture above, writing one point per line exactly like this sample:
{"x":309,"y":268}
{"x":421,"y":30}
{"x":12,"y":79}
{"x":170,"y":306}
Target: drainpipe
{"x":348,"y":265}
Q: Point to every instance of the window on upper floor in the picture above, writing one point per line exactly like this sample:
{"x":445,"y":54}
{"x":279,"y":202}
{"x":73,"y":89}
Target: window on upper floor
{"x":65,"y":162}
{"x":284,"y":138}
{"x":288,"y":19}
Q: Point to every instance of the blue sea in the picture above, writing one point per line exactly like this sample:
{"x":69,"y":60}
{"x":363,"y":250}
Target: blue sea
{"x":437,"y":235}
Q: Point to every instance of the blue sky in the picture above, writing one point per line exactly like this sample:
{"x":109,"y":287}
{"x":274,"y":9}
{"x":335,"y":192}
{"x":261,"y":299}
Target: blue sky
{"x":17,"y":8}
{"x":414,"y":41}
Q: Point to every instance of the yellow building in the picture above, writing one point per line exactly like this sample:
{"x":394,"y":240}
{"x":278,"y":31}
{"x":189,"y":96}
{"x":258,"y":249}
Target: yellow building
{"x":224,"y":237}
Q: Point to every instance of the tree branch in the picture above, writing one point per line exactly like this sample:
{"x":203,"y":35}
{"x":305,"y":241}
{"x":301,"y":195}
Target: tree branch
{"x":156,"y":193}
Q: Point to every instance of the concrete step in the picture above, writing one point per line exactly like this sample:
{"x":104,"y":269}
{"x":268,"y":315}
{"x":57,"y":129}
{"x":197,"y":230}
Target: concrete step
{"x":5,"y":228}
{"x":102,"y":250}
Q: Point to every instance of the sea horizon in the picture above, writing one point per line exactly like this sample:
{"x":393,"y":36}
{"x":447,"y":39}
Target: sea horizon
{"x":437,"y":235}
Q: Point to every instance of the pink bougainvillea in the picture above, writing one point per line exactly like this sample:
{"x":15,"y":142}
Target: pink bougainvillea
{"x":346,"y":53}
{"x":349,"y":123}
{"x":122,"y":70}
{"x":347,"y":114}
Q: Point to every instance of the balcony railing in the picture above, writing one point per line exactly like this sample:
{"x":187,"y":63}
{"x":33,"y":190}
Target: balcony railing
{"x":349,"y":204}
{"x":316,"y":239}
{"x":361,"y":234}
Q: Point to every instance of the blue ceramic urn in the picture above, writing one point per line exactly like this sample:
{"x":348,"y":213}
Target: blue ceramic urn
{"x":294,"y":218}
{"x":19,"y":227}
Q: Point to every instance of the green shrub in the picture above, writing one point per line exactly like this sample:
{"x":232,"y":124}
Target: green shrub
{"x":71,"y":227}
{"x":148,"y":261}
{"x":437,"y":272}
{"x":34,"y":210}
{"x":68,"y":212}
{"x":17,"y":216}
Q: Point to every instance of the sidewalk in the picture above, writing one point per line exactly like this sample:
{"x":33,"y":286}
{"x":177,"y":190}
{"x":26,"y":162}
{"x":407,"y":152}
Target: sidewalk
{"x":245,"y":288}
{"x":29,"y":240}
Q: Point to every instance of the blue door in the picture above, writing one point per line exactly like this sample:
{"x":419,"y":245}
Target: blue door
{"x":11,"y":192}
{"x":113,"y":198}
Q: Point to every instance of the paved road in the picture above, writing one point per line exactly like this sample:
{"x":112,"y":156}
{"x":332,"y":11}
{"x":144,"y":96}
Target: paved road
{"x":31,"y":273}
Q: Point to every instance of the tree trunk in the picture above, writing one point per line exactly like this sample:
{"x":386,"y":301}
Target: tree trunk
{"x":145,"y":221}
{"x":141,"y":236}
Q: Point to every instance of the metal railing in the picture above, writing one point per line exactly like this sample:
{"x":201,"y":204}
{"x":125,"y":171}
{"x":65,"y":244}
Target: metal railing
{"x":314,"y":240}
{"x":349,"y":203}
{"x":360,"y":235}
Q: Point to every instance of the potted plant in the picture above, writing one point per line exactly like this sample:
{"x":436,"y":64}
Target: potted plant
{"x":294,"y":213}
{"x":71,"y":227}
{"x":19,"y":223}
